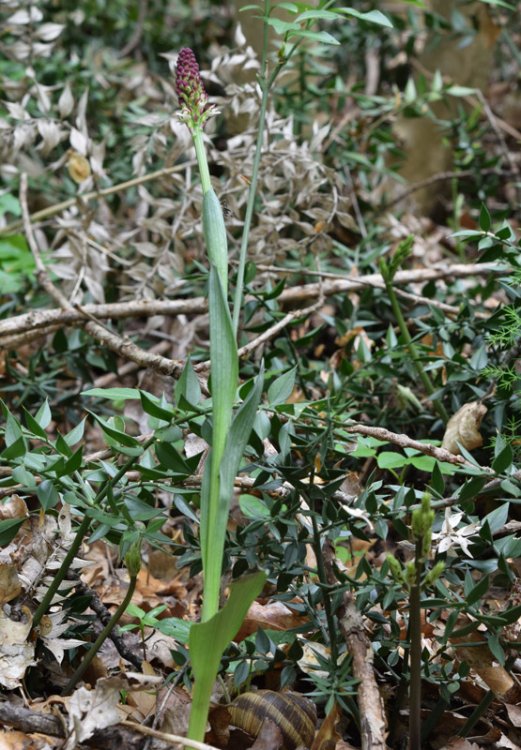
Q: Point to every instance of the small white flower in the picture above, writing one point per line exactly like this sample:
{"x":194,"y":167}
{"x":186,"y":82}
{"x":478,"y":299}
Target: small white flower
{"x":450,"y":535}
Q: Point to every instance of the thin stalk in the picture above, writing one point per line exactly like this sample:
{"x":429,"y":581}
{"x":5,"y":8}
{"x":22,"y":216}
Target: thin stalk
{"x":322,"y":577}
{"x":78,"y":539}
{"x":265,"y":84}
{"x":78,"y":674}
{"x":63,"y":570}
{"x":415,"y":654}
{"x":202,"y":161}
{"x":476,"y":715}
{"x":239,"y":287}
{"x":397,"y":310}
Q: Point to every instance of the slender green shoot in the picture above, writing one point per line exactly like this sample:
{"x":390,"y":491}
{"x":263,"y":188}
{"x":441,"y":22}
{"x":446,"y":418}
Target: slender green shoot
{"x":230,"y":433}
{"x":133,"y":563}
{"x":81,"y":533}
{"x":388,"y":271}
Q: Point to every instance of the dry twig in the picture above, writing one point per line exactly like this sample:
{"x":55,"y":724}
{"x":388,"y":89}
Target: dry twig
{"x":198,"y":305}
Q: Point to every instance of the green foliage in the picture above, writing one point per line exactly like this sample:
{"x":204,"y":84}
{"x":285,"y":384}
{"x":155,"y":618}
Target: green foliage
{"x":285,"y":427}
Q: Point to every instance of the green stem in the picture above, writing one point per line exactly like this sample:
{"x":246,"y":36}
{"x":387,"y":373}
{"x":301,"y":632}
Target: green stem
{"x":78,"y":539}
{"x":397,"y":310}
{"x":202,"y":161}
{"x":322,"y":576}
{"x":63,"y":570}
{"x":239,"y":288}
{"x":476,"y":715}
{"x":415,"y":654}
{"x":78,"y":674}
{"x":265,"y":84}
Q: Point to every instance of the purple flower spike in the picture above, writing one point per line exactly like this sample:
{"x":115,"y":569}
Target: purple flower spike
{"x":190,"y":90}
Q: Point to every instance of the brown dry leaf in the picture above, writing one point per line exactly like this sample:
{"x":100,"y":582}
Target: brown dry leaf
{"x":463,"y":427}
{"x":144,"y":700}
{"x":162,"y":565}
{"x":100,"y":565}
{"x":514,"y":714}
{"x":434,"y":352}
{"x":489,"y":30}
{"x":13,"y":507}
{"x":220,"y":719}
{"x":149,"y":588}
{"x":271,"y":616}
{"x":173,"y":712}
{"x":78,"y":167}
{"x":90,"y":710}
{"x":13,"y":740}
{"x":16,"y":653}
{"x":328,"y":735}
{"x":314,"y":655}
{"x":482,"y":661}
{"x":10,"y":586}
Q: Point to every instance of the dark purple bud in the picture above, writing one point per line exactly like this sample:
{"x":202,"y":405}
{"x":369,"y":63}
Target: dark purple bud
{"x":190,"y":88}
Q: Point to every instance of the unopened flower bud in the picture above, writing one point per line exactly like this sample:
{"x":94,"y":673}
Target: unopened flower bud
{"x":190,"y":90}
{"x":395,"y":568}
{"x":434,"y":573}
{"x":133,"y":559}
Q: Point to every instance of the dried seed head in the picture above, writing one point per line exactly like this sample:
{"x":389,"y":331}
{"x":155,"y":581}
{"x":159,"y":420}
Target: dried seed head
{"x":190,"y":90}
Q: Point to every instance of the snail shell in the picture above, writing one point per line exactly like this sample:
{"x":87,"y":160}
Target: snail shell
{"x":294,"y":715}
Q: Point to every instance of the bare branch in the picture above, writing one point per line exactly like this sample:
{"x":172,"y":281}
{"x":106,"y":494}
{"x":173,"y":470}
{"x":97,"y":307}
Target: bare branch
{"x":198,"y":305}
{"x":404,"y":441}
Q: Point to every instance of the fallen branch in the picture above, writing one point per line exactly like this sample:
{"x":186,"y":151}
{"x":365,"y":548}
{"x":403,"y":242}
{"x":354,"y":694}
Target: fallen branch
{"x":172,"y":739}
{"x":35,"y":722}
{"x":198,"y":305}
{"x":404,"y":441}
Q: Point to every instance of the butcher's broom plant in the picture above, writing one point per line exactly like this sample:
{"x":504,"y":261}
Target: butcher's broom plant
{"x":230,"y":431}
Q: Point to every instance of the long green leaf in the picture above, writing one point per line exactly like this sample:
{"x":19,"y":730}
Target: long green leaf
{"x":225,"y":375}
{"x":215,"y":236}
{"x":207,"y":642}
{"x":236,"y":442}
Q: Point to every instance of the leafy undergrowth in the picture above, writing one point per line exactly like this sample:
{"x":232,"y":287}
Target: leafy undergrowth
{"x":380,"y":487}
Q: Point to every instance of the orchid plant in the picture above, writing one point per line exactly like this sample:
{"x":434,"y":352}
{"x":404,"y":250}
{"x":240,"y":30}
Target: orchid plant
{"x":230,"y":431}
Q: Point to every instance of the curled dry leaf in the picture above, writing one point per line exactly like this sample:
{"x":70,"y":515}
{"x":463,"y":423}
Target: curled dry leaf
{"x":90,"y":710}
{"x":16,"y":654}
{"x":78,"y":167}
{"x":328,"y":735}
{"x":13,"y":507}
{"x":271,"y":616}
{"x":463,"y":427}
{"x":514,"y":714}
{"x":10,"y":586}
